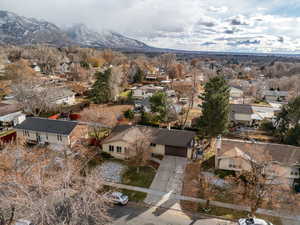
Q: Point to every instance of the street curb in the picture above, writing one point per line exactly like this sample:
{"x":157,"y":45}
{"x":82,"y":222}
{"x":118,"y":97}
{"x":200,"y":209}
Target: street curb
{"x":196,"y":214}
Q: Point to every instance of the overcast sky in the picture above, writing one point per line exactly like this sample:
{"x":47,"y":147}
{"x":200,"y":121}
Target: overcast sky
{"x":218,"y":25}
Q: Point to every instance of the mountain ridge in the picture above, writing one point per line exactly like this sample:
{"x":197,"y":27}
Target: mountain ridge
{"x":20,"y":30}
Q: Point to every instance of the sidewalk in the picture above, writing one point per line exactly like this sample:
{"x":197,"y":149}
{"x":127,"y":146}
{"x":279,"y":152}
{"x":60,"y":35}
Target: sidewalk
{"x":199,"y":200}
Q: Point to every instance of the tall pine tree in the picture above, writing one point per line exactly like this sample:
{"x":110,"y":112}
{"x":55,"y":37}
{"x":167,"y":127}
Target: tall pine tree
{"x":100,"y":92}
{"x":215,"y":108}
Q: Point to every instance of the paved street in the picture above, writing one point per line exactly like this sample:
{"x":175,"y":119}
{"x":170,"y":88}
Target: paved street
{"x":168,"y":179}
{"x":138,"y":215}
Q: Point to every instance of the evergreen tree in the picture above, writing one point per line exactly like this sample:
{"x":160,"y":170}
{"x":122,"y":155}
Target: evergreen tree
{"x":100,"y":92}
{"x":215,"y":108}
{"x":138,"y":76}
{"x":160,"y":105}
{"x":287,"y":122}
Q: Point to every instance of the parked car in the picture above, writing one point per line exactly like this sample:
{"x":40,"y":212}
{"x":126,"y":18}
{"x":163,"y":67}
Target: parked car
{"x":23,"y":222}
{"x":117,"y":198}
{"x":253,"y":221}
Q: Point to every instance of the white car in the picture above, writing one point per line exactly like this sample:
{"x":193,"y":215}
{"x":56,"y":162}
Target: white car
{"x":23,"y":222}
{"x":253,"y":221}
{"x":117,"y":198}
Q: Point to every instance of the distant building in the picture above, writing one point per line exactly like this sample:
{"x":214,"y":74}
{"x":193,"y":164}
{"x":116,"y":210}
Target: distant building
{"x":250,"y":114}
{"x":236,"y":92}
{"x":10,"y":115}
{"x":145,"y":91}
{"x":275,"y":96}
{"x":61,"y":96}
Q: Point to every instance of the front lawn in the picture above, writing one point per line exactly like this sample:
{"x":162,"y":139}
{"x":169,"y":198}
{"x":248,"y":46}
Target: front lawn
{"x":143,"y":178}
{"x":235,"y":214}
{"x":134,"y":196}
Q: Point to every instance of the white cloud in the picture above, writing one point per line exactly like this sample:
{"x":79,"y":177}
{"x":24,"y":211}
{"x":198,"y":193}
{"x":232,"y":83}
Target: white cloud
{"x":221,"y":25}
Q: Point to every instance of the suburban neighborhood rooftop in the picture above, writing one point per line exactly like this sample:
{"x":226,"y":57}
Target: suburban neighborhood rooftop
{"x":179,"y":138}
{"x":47,"y":125}
{"x":284,"y":154}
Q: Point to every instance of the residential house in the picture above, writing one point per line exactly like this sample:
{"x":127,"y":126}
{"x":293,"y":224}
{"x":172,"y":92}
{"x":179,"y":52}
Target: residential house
{"x":10,"y":115}
{"x":250,"y":114}
{"x":236,"y":93}
{"x":61,"y":96}
{"x":161,"y":141}
{"x":238,"y":155}
{"x":240,"y":113}
{"x":275,"y":96}
{"x":145,"y":91}
{"x":42,"y":130}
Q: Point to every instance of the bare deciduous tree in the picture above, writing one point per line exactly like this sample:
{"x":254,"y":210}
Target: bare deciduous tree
{"x":40,"y":186}
{"x":261,"y":182}
{"x":32,"y":97}
{"x":139,"y":150}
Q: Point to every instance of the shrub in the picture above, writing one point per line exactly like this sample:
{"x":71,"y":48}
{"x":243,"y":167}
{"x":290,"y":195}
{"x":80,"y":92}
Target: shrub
{"x":267,"y":126}
{"x":106,"y":155}
{"x":129,"y":114}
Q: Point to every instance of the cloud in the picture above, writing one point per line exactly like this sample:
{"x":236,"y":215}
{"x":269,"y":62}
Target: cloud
{"x":221,"y":25}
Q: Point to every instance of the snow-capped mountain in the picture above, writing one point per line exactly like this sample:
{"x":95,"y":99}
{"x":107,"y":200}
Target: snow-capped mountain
{"x":81,"y":34}
{"x":19,"y":30}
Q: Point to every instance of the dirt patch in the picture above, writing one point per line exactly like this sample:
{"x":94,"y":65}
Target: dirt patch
{"x":191,"y":186}
{"x":109,"y":115}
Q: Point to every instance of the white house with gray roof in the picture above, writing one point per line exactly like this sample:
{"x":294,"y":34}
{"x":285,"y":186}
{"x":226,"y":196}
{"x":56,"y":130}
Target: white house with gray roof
{"x":42,"y":130}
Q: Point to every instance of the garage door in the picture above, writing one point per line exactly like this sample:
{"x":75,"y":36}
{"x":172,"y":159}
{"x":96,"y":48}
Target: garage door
{"x":176,"y":151}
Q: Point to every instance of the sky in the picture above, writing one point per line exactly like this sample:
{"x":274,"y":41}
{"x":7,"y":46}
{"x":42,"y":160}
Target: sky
{"x":270,"y":26}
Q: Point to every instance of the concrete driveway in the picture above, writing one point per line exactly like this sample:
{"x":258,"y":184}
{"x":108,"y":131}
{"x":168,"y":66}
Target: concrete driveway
{"x":169,"y":178}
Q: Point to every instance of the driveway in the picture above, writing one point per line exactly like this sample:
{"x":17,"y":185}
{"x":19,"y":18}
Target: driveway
{"x":169,"y":178}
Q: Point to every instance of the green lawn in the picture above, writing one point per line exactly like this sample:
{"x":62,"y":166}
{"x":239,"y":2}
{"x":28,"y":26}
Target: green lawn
{"x":134,"y":196}
{"x":235,"y":214}
{"x":143,"y":178}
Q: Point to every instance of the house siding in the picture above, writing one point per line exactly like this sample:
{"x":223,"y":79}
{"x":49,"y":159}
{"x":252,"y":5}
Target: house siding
{"x":119,"y":155}
{"x":70,"y":100}
{"x":242,"y":117}
{"x":284,"y":173}
{"x":44,"y":137}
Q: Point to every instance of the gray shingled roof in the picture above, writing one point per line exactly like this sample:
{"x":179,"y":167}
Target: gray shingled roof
{"x":176,"y":138}
{"x":241,"y":108}
{"x":6,"y":109}
{"x":47,"y":125}
{"x":284,"y":154}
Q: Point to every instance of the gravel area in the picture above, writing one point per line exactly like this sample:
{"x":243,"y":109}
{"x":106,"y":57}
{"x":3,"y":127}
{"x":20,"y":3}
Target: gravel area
{"x":112,"y":171}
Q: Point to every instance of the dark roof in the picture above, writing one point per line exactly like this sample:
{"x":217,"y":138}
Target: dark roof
{"x":47,"y":125}
{"x":177,"y":138}
{"x":284,"y":154}
{"x":241,"y":108}
{"x":162,"y":136}
{"x":6,"y":109}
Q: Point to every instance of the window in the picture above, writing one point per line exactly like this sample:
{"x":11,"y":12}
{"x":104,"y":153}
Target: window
{"x":119,"y":149}
{"x":26,"y":133}
{"x":152,"y":144}
{"x":59,"y":137}
{"x":111,"y":148}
